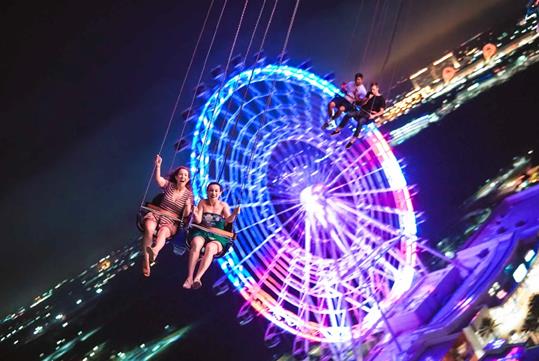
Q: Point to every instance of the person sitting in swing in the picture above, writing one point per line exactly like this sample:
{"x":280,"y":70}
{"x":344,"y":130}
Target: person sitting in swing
{"x":354,"y":94}
{"x":177,"y":202}
{"x":372,"y":108}
{"x":210,"y":213}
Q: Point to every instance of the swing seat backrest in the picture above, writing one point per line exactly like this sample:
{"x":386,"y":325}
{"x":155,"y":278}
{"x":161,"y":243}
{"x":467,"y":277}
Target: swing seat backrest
{"x":229,"y":227}
{"x":156,"y":201}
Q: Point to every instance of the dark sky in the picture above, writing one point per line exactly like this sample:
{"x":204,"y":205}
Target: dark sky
{"x":87,"y":90}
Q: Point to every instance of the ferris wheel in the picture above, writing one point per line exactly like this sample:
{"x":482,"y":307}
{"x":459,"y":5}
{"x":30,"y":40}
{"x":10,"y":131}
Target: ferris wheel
{"x":326,"y":236}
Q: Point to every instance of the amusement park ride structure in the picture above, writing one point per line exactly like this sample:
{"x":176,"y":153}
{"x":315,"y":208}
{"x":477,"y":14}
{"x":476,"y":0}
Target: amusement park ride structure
{"x":327,"y":247}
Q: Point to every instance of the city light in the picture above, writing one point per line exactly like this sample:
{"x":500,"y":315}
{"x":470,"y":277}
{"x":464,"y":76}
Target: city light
{"x":520,"y":273}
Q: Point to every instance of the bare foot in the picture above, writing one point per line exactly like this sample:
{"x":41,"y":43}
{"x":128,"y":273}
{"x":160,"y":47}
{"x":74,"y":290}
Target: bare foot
{"x":152,"y":255}
{"x":145,"y":267}
{"x":196,"y":284}
{"x":188,"y":284}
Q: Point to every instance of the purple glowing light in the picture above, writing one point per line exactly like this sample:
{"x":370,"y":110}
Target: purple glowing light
{"x":311,"y":199}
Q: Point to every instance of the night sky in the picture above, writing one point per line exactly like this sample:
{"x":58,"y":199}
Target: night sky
{"x":88,"y":88}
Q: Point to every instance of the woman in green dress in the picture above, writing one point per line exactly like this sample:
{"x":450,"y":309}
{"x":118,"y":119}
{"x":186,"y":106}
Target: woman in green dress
{"x":210,"y":212}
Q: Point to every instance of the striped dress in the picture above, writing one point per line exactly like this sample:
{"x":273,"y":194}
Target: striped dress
{"x":173,"y":203}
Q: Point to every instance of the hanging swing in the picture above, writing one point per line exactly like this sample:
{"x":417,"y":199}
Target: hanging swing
{"x":185,"y":226}
{"x":154,"y":205}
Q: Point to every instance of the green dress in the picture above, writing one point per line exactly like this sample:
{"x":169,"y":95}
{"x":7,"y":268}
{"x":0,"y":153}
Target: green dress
{"x":211,"y":220}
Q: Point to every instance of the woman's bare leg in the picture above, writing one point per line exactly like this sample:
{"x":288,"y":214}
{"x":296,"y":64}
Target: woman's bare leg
{"x":162,"y":235}
{"x":149,"y":229}
{"x":212,"y":248}
{"x":196,"y":245}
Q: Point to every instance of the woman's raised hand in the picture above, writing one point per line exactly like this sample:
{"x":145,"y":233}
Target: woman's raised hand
{"x":158,"y":160}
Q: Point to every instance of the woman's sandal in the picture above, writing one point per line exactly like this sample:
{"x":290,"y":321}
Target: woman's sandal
{"x":146,"y":270}
{"x":196,"y":284}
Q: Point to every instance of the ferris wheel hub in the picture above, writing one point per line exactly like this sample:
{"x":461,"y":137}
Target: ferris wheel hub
{"x":312,"y":198}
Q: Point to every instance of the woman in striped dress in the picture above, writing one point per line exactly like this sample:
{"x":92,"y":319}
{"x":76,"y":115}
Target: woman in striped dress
{"x":178,"y":200}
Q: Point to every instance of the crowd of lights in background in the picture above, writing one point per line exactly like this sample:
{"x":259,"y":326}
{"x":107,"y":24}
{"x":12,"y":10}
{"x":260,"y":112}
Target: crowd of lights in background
{"x":57,"y":310}
{"x":475,"y":67}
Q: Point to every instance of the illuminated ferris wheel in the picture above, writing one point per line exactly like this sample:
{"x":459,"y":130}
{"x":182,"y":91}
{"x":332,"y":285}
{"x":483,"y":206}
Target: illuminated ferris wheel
{"x":326,"y":236}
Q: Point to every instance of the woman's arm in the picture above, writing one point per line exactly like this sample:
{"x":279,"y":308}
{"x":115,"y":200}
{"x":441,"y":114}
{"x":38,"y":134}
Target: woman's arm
{"x":188,"y":208}
{"x":197,"y":212}
{"x":230,"y":218}
{"x":162,"y":182}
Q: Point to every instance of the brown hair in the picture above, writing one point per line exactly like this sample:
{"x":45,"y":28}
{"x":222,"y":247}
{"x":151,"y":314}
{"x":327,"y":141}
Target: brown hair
{"x":172,"y":176}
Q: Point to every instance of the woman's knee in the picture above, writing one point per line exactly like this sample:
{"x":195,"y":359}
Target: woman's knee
{"x":164,"y":232}
{"x":150,"y":226}
{"x":196,"y":244}
{"x":213,"y":248}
